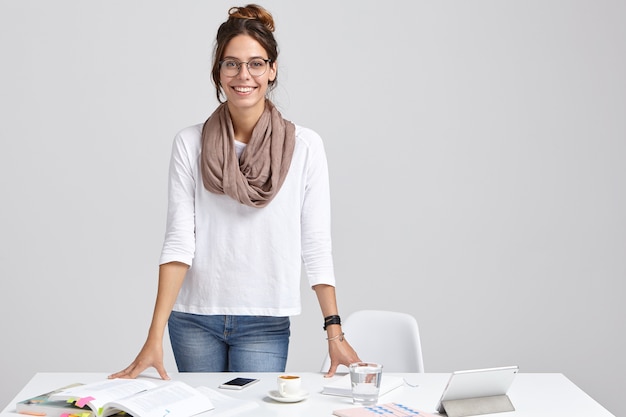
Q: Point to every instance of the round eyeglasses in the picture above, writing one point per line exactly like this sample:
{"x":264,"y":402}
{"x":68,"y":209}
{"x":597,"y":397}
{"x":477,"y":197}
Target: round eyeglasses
{"x":256,"y":67}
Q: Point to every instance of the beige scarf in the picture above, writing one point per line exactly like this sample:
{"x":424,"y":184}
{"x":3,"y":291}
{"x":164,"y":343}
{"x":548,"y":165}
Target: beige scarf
{"x":255,"y":179}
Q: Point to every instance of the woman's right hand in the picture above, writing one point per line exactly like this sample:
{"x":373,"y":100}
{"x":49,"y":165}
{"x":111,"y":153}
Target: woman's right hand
{"x":171,"y":276}
{"x":151,"y":355}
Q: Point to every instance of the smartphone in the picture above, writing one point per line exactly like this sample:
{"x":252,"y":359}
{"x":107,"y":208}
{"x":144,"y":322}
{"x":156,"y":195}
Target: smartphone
{"x":238,"y":383}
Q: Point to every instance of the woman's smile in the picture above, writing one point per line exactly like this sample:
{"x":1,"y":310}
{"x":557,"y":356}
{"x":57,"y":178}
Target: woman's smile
{"x":243,"y":89}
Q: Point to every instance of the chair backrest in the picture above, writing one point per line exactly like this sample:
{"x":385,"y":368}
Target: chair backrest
{"x":387,"y":337}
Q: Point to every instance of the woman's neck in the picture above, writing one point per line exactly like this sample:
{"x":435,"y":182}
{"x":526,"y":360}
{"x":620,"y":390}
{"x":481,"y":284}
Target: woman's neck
{"x":244,"y":122}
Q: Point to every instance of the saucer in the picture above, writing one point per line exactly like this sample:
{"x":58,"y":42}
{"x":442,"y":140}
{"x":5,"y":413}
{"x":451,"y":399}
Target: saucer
{"x":275,"y":395}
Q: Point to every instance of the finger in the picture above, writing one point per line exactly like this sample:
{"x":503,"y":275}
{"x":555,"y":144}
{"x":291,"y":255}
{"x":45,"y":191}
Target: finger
{"x":135,"y":371}
{"x":121,"y":374}
{"x":132,"y":371}
{"x":162,"y":372}
{"x":331,"y":370}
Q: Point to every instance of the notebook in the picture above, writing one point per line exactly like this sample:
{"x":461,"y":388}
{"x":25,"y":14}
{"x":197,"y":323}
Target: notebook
{"x":343,"y":387}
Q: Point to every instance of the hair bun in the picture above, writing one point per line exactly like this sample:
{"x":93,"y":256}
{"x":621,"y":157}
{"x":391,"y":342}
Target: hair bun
{"x":252,"y":12}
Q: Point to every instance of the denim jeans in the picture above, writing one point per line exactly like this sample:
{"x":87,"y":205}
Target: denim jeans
{"x":229,"y":343}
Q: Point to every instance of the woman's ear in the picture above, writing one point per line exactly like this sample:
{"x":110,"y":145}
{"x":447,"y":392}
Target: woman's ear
{"x":273,"y":72}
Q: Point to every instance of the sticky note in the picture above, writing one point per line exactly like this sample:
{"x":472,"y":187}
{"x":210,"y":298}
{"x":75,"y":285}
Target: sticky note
{"x":83,"y":401}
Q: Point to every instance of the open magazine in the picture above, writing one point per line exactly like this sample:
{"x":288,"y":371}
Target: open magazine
{"x":137,"y":397}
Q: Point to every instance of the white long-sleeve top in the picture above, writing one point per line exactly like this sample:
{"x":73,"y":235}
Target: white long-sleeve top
{"x":245,"y":260}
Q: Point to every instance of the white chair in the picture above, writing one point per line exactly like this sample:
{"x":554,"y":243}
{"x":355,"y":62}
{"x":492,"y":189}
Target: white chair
{"x":387,"y":337}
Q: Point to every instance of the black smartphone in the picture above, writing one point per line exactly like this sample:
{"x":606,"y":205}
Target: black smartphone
{"x":238,"y":383}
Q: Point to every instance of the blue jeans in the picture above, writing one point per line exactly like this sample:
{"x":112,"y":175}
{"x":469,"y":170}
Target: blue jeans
{"x":229,"y":343}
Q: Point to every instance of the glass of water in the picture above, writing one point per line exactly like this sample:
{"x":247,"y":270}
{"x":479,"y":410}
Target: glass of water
{"x":365,"y":378}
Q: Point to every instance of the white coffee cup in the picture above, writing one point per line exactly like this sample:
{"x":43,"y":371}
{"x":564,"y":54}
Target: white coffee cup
{"x":289,"y":385}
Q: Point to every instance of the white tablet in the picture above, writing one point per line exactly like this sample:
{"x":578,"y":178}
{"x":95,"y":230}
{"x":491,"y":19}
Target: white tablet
{"x":476,"y":383}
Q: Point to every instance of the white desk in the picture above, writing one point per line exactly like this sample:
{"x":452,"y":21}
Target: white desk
{"x":533,"y":395}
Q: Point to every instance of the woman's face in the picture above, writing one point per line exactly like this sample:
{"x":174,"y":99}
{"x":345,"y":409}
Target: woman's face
{"x":243,"y":91}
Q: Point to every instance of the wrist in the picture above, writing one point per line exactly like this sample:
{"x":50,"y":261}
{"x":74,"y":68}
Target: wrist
{"x":338,"y":337}
{"x":333,"y":330}
{"x":331,"y":320}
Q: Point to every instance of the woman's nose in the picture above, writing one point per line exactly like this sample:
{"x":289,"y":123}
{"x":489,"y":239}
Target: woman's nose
{"x":243,"y":71}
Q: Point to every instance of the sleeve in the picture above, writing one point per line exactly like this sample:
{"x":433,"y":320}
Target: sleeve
{"x":315,"y":220}
{"x":179,"y":243}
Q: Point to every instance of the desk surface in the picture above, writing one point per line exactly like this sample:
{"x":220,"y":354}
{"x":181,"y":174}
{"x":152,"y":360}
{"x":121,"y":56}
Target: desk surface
{"x":531,"y":394}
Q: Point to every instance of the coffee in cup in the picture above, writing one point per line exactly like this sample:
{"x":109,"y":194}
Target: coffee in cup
{"x":289,"y":385}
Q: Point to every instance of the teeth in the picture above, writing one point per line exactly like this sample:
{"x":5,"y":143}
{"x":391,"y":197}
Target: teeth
{"x":243,"y":89}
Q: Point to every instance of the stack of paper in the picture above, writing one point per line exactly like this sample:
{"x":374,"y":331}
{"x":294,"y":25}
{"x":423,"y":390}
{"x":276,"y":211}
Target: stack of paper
{"x":343,"y":387}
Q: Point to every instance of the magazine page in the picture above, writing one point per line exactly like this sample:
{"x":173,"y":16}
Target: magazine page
{"x":172,"y":399}
{"x":97,"y":394}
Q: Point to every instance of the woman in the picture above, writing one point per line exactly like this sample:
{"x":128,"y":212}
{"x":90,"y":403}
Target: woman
{"x":248,"y":203}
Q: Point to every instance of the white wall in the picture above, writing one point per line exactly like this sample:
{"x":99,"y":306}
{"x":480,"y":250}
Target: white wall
{"x":476,"y":151}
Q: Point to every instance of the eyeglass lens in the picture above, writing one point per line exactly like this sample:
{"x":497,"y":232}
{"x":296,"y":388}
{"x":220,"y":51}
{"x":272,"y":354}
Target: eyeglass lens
{"x":256,"y":67}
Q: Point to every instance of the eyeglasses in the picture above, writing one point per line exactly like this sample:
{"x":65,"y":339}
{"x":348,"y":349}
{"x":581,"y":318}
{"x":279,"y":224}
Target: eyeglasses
{"x":256,"y":67}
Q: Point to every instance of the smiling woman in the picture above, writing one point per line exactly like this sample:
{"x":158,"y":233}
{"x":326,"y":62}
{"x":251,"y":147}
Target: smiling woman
{"x":255,"y":23}
{"x":245,"y":87}
{"x":249,"y":201}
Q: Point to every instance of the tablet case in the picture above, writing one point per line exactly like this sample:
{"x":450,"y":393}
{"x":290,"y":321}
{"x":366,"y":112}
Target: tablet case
{"x":477,"y":406}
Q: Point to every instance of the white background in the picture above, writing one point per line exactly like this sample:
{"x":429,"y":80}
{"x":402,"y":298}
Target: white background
{"x":477,"y":157}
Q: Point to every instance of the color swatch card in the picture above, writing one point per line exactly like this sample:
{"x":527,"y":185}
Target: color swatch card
{"x":382,"y":410}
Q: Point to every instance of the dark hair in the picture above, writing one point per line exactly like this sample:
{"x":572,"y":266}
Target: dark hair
{"x":252,"y":20}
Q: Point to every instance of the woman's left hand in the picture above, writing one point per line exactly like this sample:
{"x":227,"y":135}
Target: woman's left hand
{"x":341,"y":353}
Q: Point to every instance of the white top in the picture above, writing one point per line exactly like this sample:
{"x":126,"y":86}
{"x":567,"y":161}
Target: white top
{"x":246,"y":260}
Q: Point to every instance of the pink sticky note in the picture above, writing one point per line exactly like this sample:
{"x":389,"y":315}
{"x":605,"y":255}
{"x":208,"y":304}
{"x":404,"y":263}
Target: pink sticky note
{"x":83,"y":401}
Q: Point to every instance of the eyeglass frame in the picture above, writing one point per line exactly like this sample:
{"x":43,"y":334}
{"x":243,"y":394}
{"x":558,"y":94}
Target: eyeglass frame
{"x":240,"y":63}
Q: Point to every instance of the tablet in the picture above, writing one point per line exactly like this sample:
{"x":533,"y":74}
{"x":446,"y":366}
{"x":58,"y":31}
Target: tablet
{"x":476,"y":383}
